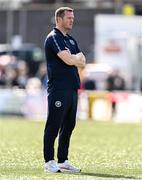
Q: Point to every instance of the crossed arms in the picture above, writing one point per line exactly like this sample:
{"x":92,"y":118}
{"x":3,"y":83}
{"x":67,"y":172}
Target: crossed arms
{"x":77,"y":60}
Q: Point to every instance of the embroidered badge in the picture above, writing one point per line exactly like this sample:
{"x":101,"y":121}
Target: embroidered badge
{"x":72,"y":42}
{"x":58,"y":104}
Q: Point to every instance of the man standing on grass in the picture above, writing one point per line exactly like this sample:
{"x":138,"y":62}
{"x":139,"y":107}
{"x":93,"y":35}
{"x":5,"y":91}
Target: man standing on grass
{"x":63,"y":58}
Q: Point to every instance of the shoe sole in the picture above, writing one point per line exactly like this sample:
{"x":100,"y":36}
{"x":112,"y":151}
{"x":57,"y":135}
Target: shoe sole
{"x":69,"y":171}
{"x":52,"y":171}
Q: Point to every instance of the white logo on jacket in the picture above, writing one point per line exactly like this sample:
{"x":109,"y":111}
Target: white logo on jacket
{"x":72,"y":42}
{"x":58,"y":104}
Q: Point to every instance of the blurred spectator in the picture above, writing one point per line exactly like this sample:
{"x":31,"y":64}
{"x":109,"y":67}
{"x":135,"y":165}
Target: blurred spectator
{"x":89,"y":84}
{"x":115,"y":81}
{"x":33,"y":85}
{"x":11,"y":76}
{"x":15,"y":73}
{"x":42,"y":74}
{"x":2,"y":76}
{"x":8,"y":72}
{"x":22,"y":70}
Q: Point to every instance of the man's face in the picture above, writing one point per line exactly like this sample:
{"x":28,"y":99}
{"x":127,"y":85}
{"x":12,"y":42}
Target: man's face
{"x":67,"y":20}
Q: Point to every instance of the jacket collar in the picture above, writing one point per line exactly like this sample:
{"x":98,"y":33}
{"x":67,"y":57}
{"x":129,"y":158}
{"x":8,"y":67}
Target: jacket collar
{"x":57,"y":30}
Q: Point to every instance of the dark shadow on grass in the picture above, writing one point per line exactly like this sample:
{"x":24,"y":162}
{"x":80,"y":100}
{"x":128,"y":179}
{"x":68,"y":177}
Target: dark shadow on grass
{"x":108,"y":175}
{"x":104,"y":175}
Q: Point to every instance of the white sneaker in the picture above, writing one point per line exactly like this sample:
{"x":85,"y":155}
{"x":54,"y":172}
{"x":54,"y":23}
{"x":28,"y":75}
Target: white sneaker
{"x":67,"y":167}
{"x":51,"y":166}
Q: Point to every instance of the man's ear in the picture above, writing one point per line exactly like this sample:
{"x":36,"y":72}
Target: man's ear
{"x":58,"y":19}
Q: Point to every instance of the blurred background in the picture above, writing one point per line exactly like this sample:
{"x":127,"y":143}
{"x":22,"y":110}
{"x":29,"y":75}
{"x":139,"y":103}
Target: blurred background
{"x":109,"y":33}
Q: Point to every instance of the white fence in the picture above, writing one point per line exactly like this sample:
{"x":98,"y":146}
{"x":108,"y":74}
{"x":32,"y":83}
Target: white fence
{"x":92,"y":105}
{"x":21,"y":102}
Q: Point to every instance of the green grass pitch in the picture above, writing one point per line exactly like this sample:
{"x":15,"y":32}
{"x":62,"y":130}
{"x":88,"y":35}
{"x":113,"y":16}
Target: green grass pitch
{"x":103,"y":150}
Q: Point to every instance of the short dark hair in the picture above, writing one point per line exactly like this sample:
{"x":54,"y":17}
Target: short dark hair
{"x":60,"y":12}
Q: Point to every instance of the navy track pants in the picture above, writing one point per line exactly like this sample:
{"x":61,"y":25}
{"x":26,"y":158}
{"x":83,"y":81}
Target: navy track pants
{"x":62,"y":107}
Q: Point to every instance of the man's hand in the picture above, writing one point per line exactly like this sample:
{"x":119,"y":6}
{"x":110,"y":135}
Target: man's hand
{"x":82,"y":60}
{"x":67,"y":49}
